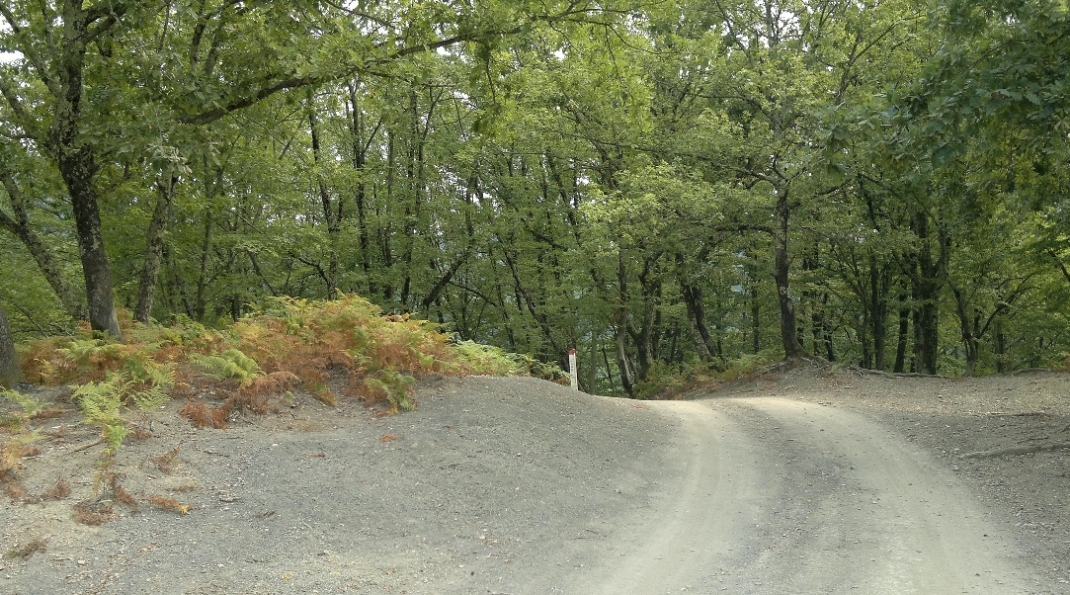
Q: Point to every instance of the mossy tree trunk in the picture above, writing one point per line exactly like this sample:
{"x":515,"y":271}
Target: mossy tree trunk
{"x":10,"y":373}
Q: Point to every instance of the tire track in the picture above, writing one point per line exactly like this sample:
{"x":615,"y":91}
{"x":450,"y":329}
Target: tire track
{"x":785,"y":497}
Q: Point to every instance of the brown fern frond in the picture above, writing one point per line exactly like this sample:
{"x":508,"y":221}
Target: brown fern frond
{"x":93,"y":513}
{"x":272,"y":384}
{"x":169,"y":504}
{"x":204,"y":416}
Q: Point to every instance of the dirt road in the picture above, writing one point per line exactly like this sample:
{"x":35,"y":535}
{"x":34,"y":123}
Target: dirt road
{"x":789,"y":497}
{"x":515,"y":486}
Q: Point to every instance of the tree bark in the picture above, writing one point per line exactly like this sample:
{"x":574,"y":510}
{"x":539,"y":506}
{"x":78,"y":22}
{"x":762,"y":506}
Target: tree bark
{"x":927,"y":284}
{"x":200,"y":303}
{"x":627,"y":375}
{"x":901,"y":343}
{"x":1001,"y":348}
{"x":332,"y":218}
{"x":150,"y":272}
{"x":880,"y":280}
{"x":969,"y":339}
{"x":755,"y":319}
{"x":789,"y":333}
{"x":693,"y":299}
{"x":77,"y":164}
{"x":361,"y":146}
{"x":10,"y":372}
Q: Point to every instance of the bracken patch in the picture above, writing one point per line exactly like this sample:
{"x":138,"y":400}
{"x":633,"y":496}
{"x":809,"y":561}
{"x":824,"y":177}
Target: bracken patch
{"x":93,"y":514}
{"x":169,"y":504}
{"x":26,"y":550}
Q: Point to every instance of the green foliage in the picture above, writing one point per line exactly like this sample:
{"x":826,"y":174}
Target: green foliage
{"x":28,"y":404}
{"x":142,"y":383}
{"x":231,"y":364}
{"x":747,"y":364}
{"x":92,"y":355}
{"x":394,"y":387}
{"x":606,"y":179}
{"x":491,"y":360}
{"x":662,"y":381}
{"x":101,"y":403}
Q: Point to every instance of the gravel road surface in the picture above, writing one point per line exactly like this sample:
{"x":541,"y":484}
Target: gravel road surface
{"x":517,"y":486}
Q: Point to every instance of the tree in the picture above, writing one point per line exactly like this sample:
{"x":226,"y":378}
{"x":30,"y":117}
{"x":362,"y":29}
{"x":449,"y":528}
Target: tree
{"x":10,"y":372}
{"x":250,"y":57}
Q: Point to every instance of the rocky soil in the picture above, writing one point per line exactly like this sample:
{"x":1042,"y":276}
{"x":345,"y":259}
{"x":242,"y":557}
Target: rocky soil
{"x":504,"y":486}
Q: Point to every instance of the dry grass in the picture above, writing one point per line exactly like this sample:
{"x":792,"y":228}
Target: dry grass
{"x":59,"y":490}
{"x":15,"y":490}
{"x":169,"y":504}
{"x":294,"y":345}
{"x":125,"y":497}
{"x":93,"y":514}
{"x":166,"y":462}
{"x":205,"y":416}
{"x":26,"y":550}
{"x":185,"y":488}
{"x":12,"y":452}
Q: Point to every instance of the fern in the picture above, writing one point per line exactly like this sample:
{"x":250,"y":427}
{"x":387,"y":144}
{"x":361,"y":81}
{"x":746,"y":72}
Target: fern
{"x":487,"y":359}
{"x":101,"y":403}
{"x":395,"y":387}
{"x":150,"y":398}
{"x":232,"y":364}
{"x":89,"y":353}
{"x":29,"y":405}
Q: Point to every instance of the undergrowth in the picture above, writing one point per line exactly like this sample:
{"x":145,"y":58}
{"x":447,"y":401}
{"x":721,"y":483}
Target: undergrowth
{"x":667,"y":382}
{"x":333,"y":349}
{"x":17,"y":439}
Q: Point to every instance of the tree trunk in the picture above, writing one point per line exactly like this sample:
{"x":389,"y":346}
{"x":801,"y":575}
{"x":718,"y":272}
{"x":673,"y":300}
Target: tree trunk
{"x":696,"y":310}
{"x":927,"y":284}
{"x":150,"y":272}
{"x":928,"y":331}
{"x":331,"y":218}
{"x":901,"y":344}
{"x":863,"y":337}
{"x":755,"y":319}
{"x":20,"y":227}
{"x":361,"y":146}
{"x":385,"y":232}
{"x":789,"y":334}
{"x":627,"y":376}
{"x":77,"y":166}
{"x":879,"y":280}
{"x":645,"y":338}
{"x":200,"y":304}
{"x":10,"y":372}
{"x":1001,"y":348}
{"x":969,"y":338}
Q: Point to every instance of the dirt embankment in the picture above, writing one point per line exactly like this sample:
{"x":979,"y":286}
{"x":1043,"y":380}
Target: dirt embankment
{"x":829,"y":483}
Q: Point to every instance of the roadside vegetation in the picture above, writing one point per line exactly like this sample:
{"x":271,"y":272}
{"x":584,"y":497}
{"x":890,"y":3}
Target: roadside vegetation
{"x":331,"y":350}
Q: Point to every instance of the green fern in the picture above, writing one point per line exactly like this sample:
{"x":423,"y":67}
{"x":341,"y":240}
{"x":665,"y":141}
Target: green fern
{"x":229,"y":365}
{"x":142,"y":368}
{"x":149,"y":398}
{"x":82,"y":352}
{"x":395,"y":386}
{"x":29,"y":405}
{"x":495,"y":361}
{"x":101,"y":403}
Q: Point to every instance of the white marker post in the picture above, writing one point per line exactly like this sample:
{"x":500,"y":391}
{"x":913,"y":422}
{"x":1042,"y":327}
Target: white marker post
{"x":575,"y":378}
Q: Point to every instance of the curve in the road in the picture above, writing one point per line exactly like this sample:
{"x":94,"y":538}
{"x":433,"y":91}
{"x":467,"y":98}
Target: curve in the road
{"x":782,"y":496}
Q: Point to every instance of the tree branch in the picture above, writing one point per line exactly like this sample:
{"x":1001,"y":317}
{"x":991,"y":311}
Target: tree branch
{"x":292,"y":81}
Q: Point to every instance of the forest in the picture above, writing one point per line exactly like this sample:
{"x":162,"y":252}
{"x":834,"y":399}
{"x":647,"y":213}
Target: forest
{"x":667,"y":186}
